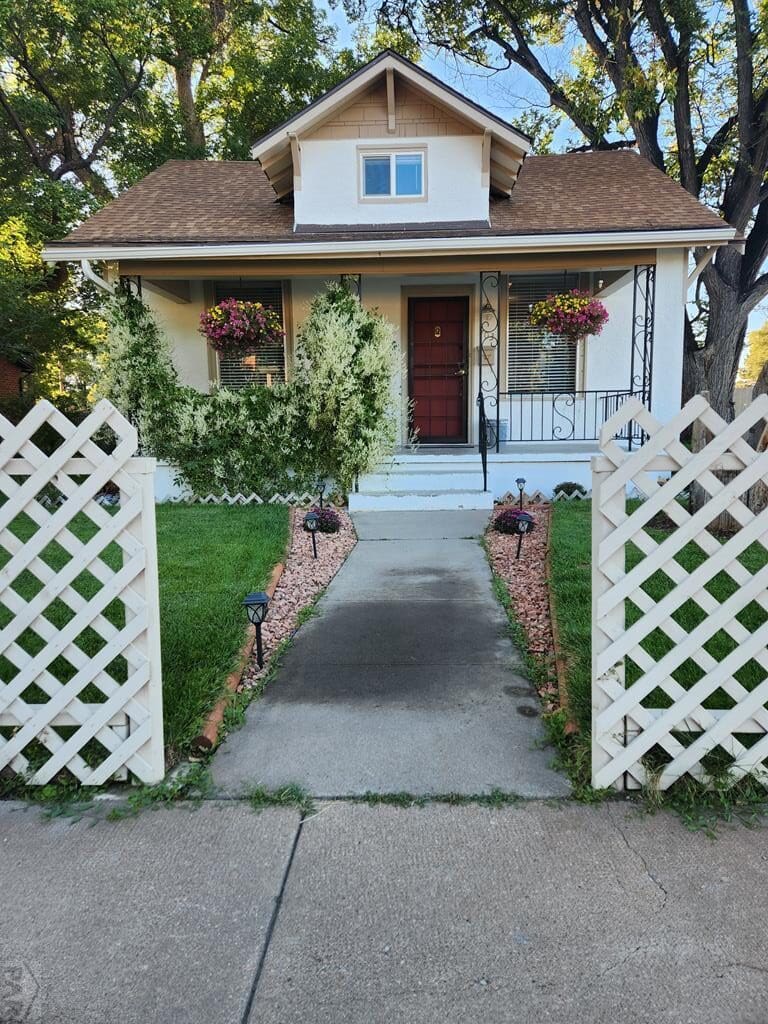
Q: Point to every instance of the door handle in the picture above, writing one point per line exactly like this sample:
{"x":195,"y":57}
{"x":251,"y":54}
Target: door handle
{"x":461,"y":372}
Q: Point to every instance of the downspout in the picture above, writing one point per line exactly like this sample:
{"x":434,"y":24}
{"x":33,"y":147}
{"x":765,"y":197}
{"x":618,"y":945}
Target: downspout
{"x":90,"y":274}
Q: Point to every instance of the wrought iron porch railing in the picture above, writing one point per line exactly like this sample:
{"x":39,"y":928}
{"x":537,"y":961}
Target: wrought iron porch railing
{"x":557,"y":416}
{"x":485,"y":429}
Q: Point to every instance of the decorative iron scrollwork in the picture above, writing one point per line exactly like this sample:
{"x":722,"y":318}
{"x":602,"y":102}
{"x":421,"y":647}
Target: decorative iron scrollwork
{"x":490,"y":352}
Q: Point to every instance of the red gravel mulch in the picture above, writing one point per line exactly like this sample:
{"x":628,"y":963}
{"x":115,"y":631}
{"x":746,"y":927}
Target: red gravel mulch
{"x":526,"y":581}
{"x":304,"y":577}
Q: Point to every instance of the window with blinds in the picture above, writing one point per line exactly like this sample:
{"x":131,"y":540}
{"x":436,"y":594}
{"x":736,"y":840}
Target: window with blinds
{"x":537,"y":360}
{"x":263,"y":365}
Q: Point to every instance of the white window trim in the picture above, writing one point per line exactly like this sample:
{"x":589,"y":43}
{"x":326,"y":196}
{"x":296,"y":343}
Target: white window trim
{"x":391,"y":152}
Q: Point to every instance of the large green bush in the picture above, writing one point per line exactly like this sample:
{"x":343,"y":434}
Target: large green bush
{"x":341,"y":411}
{"x":333,"y":420}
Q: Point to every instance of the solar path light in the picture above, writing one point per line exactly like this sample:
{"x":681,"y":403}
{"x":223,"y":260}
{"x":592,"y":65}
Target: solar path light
{"x":311,"y":523}
{"x":256,"y":606}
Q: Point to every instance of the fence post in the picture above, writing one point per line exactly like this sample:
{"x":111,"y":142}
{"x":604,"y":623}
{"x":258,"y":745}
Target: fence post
{"x":145,"y":530}
{"x":603,"y":626}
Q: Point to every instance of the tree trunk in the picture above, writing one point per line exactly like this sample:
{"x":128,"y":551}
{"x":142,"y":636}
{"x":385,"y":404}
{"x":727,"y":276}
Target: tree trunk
{"x":193,"y":126}
{"x":714,"y":366}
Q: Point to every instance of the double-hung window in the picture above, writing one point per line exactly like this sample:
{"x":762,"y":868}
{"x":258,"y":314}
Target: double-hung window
{"x":264,"y":364}
{"x":397,"y":175}
{"x":537,"y":360}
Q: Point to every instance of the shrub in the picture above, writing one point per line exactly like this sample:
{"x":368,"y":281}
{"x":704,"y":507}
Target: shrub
{"x":328,"y":519}
{"x":569,"y":487}
{"x":333,"y":420}
{"x":340,"y":419}
{"x":506,"y":519}
{"x":139,"y":376}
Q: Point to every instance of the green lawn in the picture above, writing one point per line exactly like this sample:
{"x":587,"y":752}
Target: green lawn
{"x":209,"y":558}
{"x":571,"y":587}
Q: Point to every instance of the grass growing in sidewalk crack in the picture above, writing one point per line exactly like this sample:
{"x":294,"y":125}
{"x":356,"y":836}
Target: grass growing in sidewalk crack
{"x":192,"y":785}
{"x":496,"y":798}
{"x":291,"y":795}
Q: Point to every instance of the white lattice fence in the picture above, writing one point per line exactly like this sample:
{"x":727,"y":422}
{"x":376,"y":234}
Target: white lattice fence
{"x":80,"y":682}
{"x":679,"y":615}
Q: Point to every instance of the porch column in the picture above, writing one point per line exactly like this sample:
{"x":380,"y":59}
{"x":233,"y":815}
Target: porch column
{"x":643,"y":320}
{"x":490,"y":354}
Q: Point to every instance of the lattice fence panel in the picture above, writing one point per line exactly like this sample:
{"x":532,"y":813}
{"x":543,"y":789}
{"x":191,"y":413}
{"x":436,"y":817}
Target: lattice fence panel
{"x":679,"y":610}
{"x":80,"y":677}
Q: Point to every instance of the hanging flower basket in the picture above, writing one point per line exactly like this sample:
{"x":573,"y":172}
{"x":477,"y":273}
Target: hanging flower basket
{"x":239,"y":326}
{"x":572,"y":315}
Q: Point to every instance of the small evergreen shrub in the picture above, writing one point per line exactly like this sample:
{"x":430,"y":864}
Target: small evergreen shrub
{"x":569,"y":487}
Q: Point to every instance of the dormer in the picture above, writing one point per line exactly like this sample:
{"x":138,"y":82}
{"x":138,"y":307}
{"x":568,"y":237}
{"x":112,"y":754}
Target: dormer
{"x":391,"y":145}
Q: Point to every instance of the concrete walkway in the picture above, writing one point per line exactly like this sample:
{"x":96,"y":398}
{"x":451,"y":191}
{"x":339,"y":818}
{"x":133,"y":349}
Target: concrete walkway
{"x":405,"y":680}
{"x":358,"y":915}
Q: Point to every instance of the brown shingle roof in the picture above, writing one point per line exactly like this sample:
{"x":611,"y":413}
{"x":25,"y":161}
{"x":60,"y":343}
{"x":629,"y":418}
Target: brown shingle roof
{"x":203,"y":201}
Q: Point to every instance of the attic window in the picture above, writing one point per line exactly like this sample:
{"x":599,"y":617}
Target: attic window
{"x":397,"y":175}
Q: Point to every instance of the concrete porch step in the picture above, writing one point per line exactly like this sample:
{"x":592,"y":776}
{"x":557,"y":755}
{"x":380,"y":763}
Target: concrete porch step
{"x":438,"y":500}
{"x":422,"y":478}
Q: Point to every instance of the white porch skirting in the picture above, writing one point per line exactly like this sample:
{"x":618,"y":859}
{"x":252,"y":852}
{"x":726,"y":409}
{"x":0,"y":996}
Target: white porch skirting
{"x":454,"y":473}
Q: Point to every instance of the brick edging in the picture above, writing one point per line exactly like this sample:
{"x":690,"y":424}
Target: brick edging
{"x":209,"y":735}
{"x":572,"y":726}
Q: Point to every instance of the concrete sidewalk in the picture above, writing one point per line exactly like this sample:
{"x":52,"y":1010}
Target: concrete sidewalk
{"x":405,"y":681}
{"x":360,"y":915}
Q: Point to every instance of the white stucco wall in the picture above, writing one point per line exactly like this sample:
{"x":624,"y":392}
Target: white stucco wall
{"x":606,"y":357}
{"x":330,"y":186}
{"x":180,"y":321}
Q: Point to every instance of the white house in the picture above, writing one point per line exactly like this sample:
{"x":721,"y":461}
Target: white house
{"x":435,"y":212}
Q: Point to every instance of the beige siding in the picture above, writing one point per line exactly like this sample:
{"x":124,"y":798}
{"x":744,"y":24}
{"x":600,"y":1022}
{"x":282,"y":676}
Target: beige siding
{"x":416,"y":116}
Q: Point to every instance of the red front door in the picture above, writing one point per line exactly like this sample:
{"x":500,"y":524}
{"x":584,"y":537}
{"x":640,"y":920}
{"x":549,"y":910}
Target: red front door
{"x":437,"y":353}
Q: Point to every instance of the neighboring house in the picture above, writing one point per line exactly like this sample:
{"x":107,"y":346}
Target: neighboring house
{"x":12,"y":377}
{"x":437,"y":215}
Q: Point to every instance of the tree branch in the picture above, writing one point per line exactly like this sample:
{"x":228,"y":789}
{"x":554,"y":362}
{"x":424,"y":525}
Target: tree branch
{"x":715,"y":146}
{"x":41,"y":162}
{"x":522,"y":55}
{"x":677,"y":58}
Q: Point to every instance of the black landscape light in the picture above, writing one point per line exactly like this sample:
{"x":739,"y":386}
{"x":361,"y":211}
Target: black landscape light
{"x":521,"y":487}
{"x":256,"y":606}
{"x":524,"y":524}
{"x":311,"y":524}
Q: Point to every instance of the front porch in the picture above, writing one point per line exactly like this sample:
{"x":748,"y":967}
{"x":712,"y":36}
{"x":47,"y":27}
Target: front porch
{"x":477,"y":377}
{"x":545,"y":431}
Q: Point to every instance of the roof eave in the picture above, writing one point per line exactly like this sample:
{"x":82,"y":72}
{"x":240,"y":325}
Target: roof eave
{"x":366,"y":248}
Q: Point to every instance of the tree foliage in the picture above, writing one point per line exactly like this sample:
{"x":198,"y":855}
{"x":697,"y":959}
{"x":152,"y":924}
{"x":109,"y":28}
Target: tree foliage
{"x":94,"y":94}
{"x":43,"y":326}
{"x":756,"y":357}
{"x":686,"y":81}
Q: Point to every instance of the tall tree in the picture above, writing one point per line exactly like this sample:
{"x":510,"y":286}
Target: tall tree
{"x":96,"y":93}
{"x":684,"y":80}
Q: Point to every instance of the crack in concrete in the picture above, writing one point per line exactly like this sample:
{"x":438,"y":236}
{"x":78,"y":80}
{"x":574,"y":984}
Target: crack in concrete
{"x":746,"y":967}
{"x":251,"y":997}
{"x":659,"y":885}
{"x":620,"y":963}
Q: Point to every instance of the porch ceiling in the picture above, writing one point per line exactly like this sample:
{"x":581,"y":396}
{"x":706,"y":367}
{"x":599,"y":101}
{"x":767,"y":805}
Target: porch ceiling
{"x":383,"y":265}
